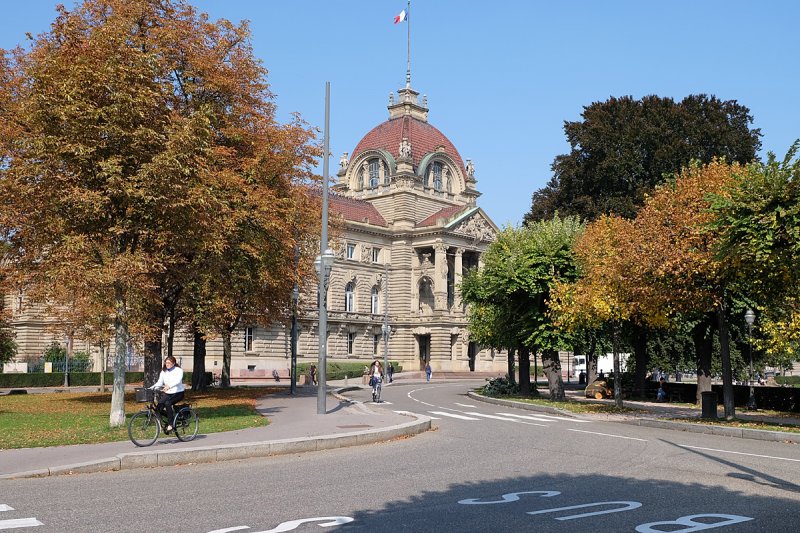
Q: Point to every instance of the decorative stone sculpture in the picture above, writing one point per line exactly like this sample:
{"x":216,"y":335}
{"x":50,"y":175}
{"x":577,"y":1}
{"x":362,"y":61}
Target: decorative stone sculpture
{"x":470,"y":169}
{"x":344,"y":161}
{"x":405,"y":149}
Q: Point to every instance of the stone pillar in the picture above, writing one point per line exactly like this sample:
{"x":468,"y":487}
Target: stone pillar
{"x":440,"y":277}
{"x":458,"y":276}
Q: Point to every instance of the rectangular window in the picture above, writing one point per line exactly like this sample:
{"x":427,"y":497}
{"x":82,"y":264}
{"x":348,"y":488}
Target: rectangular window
{"x":351,"y":251}
{"x":248,"y":339}
{"x":376,"y":340}
{"x":351,"y":339}
{"x":376,"y":255}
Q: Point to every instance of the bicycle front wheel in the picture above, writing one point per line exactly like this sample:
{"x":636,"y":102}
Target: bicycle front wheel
{"x":186,"y":424}
{"x":143,"y":429}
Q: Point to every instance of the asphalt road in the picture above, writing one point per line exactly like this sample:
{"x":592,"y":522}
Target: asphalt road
{"x":484,"y":468}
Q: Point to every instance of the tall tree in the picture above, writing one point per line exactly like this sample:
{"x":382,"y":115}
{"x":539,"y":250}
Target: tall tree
{"x":757,"y":224}
{"x":512,"y":291}
{"x":128,"y":124}
{"x":622,"y":148}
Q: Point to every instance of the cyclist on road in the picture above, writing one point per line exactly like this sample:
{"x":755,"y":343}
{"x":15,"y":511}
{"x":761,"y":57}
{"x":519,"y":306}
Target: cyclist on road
{"x":375,"y":376}
{"x":171,"y":381}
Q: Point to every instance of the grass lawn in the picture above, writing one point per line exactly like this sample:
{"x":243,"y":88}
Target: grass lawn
{"x":35,"y":420}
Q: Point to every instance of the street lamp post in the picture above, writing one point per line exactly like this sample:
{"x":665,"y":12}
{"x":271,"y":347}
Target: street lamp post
{"x":750,"y":317}
{"x":324,"y":263}
{"x":386,"y":329}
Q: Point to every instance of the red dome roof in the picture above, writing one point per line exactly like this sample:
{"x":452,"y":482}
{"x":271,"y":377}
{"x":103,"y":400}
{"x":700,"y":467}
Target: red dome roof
{"x":423,"y":137}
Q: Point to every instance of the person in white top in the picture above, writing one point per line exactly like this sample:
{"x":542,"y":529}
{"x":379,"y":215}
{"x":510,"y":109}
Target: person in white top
{"x":171,"y":381}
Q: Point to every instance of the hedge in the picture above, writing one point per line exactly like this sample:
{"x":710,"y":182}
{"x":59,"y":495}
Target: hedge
{"x":337,"y":370}
{"x":793,"y":381}
{"x":76,"y":379}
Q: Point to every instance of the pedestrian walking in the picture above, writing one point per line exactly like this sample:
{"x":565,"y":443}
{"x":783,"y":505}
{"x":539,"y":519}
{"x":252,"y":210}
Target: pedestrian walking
{"x":428,"y":371}
{"x":313,"y":371}
{"x":390,"y":371}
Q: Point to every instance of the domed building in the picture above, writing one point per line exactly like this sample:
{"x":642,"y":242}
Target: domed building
{"x":412,"y":229}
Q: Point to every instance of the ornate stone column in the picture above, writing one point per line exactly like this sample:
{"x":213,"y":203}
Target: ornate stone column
{"x":458,"y":276}
{"x":440,"y":276}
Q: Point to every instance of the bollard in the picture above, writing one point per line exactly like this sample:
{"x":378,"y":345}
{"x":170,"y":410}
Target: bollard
{"x":345,"y":380}
{"x":709,"y":404}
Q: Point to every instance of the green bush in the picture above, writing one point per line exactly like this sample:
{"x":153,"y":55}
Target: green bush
{"x":792,"y":381}
{"x":500,"y":387}
{"x":338,"y":370}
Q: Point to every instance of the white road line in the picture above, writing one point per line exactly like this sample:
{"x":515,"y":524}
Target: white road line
{"x":494,"y":417}
{"x":410,"y":413}
{"x":739,"y":453}
{"x":460,"y":417}
{"x":568,"y":419}
{"x":464,"y":405}
{"x":4,"y":507}
{"x":19,"y":522}
{"x":606,"y":435}
{"x":526,"y":417}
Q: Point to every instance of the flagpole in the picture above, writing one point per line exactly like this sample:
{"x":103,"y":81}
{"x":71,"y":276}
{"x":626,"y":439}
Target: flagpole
{"x":408,"y":21}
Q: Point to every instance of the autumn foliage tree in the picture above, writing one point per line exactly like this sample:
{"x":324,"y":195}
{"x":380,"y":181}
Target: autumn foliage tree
{"x":132,"y":131}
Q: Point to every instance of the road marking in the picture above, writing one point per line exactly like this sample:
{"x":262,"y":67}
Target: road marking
{"x":464,"y":405}
{"x":494,"y":417}
{"x":606,"y":435}
{"x":739,"y":453}
{"x":626,"y":506}
{"x":19,"y":522}
{"x":460,"y":417}
{"x":410,"y":413}
{"x":4,"y":507}
{"x":568,"y":419}
{"x":526,"y":417}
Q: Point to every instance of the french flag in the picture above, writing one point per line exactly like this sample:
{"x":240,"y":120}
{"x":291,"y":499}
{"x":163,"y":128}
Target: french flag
{"x":401,"y":17}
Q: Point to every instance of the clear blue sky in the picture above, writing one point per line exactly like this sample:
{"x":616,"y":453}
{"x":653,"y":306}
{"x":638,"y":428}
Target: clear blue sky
{"x":502,"y":77}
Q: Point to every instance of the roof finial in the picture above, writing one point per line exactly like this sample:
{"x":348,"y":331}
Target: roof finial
{"x":408,"y":71}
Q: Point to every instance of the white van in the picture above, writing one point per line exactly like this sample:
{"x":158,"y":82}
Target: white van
{"x":578,"y":365}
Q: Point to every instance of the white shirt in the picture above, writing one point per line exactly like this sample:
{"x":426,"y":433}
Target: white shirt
{"x":171,"y":380}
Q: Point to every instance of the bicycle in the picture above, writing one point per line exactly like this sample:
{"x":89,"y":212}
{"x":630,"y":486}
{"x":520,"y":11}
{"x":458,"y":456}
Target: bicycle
{"x":376,"y":390}
{"x":144,"y":427}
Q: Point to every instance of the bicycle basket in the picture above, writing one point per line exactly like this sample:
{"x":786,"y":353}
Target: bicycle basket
{"x":144,"y":395}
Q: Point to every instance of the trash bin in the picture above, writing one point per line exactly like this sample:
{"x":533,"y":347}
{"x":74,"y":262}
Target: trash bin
{"x":709,"y":404}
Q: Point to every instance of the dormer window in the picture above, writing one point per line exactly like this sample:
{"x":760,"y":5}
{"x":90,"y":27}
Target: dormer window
{"x":437,"y":176}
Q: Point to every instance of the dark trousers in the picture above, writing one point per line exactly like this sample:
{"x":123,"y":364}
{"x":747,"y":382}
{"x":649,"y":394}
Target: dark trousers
{"x":166,"y":405}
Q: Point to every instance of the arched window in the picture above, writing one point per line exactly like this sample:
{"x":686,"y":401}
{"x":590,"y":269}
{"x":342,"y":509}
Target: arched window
{"x":437,"y":176}
{"x":375,"y":307}
{"x":349,"y":297}
{"x":374,"y":173}
{"x":360,"y":181}
{"x":385,"y":175}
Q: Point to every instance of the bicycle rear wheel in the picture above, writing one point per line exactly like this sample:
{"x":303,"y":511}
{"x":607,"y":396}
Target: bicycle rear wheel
{"x":186,"y":424}
{"x":143,"y":429}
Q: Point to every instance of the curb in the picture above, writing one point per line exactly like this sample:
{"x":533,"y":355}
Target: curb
{"x":210,"y":454}
{"x":742,"y":433}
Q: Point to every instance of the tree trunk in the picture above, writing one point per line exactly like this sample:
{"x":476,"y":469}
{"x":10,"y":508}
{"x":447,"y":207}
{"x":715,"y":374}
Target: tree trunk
{"x":511,"y":352}
{"x":617,"y":374}
{"x":171,"y":332}
{"x":727,"y":372}
{"x":551,"y":366}
{"x":703,"y":338}
{"x":524,"y":371}
{"x":117,"y":417}
{"x":591,"y":361}
{"x":225,"y":381}
{"x":642,"y":359}
{"x":199,"y":360}
{"x":152,"y":362}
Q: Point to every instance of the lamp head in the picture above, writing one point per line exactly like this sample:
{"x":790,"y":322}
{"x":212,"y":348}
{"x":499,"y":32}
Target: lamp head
{"x":749,"y":317}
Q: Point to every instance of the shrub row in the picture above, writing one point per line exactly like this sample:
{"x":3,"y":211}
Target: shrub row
{"x":76,"y":379}
{"x":775,"y":398}
{"x":788,"y":380}
{"x":336,"y":370}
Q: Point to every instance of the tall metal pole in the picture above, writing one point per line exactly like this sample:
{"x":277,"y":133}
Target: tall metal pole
{"x":323,"y":278}
{"x":385,"y":316}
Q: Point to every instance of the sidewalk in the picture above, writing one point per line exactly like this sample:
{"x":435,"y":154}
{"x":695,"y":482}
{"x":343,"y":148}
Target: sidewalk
{"x":294,"y":427}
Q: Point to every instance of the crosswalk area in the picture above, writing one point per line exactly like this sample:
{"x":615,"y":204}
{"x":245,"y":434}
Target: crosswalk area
{"x":536,"y":419}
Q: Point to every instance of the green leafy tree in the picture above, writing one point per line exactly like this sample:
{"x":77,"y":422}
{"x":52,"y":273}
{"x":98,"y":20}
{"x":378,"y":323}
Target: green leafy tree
{"x":129,"y":130}
{"x":757,"y":222}
{"x":509,"y":296}
{"x":622,"y":148}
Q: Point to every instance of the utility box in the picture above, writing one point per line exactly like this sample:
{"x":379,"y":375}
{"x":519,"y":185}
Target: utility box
{"x":709,"y":404}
